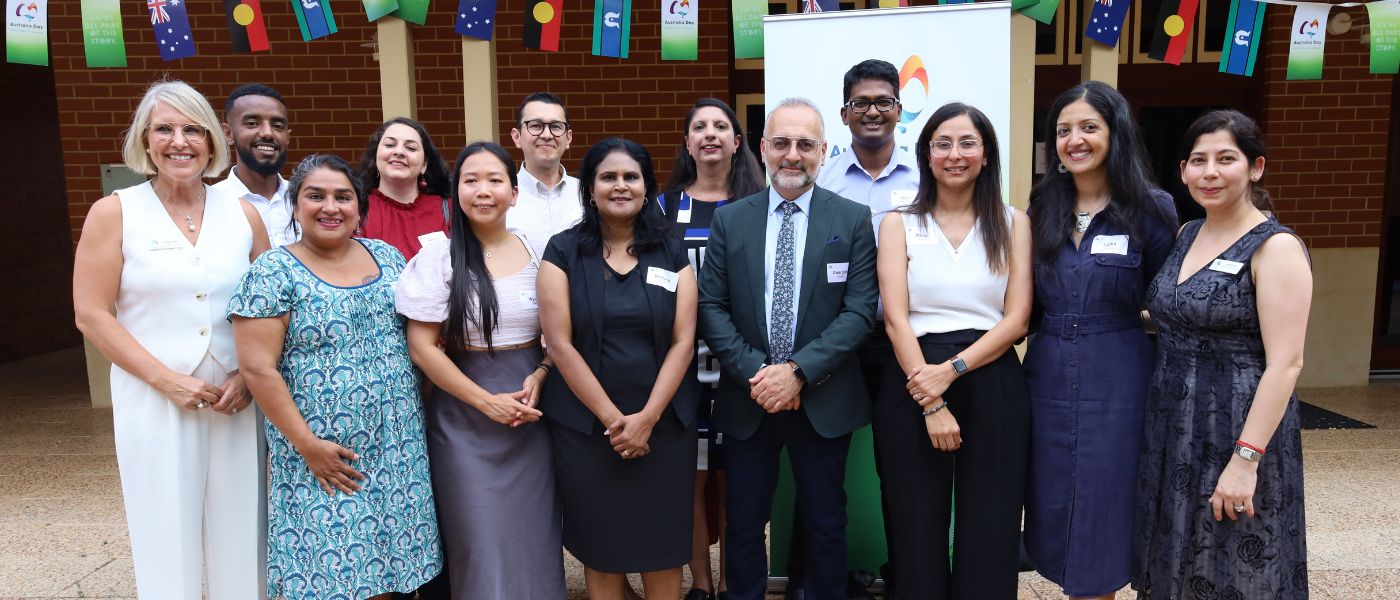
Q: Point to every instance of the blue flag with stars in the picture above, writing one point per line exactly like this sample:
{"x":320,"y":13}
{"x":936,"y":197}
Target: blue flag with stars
{"x":171,"y":25}
{"x":1106,"y":22}
{"x":476,"y":18}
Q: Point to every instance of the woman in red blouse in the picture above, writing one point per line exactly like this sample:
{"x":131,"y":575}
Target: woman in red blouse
{"x":407,"y":182}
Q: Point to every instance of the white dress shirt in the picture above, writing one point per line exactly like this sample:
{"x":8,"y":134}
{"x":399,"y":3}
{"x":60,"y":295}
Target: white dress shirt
{"x":541,"y":211}
{"x":893,"y":187}
{"x":276,"y":212}
{"x":770,"y":252}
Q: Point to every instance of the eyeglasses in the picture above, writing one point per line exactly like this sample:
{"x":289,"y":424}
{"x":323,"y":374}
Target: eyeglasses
{"x":164,"y":132}
{"x":967,"y":147}
{"x":862,"y":105}
{"x":537,"y":127}
{"x":804,"y":145}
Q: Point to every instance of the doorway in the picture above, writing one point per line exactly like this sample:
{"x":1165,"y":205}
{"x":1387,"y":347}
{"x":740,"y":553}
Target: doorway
{"x":1385,"y":343}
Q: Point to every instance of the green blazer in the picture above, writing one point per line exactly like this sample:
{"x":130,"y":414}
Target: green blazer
{"x":833,"y":318}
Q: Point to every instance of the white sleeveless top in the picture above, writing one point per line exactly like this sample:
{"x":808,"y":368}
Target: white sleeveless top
{"x":174,"y":295}
{"x":951,"y":289}
{"x":423,"y":293}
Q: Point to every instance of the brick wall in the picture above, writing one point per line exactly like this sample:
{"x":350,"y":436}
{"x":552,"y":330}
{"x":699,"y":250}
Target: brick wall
{"x":1327,"y":138}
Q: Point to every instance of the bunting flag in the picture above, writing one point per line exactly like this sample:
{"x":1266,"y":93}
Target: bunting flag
{"x":1385,"y":36}
{"x":748,"y":27}
{"x":680,"y":27}
{"x":943,"y":2}
{"x":1242,"y":31}
{"x":887,"y":3}
{"x":814,"y":6}
{"x":374,"y":9}
{"x":245,"y":25}
{"x":1042,"y":11}
{"x":542,"y":18}
{"x":612,"y":27}
{"x":27,"y":33}
{"x":1173,"y":29}
{"x":171,"y":25}
{"x":413,"y":11}
{"x":1106,"y":22}
{"x":315,"y":18}
{"x":476,"y":18}
{"x":103,"y":43}
{"x":1309,"y":37}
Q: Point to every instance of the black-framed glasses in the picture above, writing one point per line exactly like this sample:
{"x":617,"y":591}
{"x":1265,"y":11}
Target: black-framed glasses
{"x":861,"y":105}
{"x":537,"y":127}
{"x":783,"y":143}
{"x":966,"y":147}
{"x":164,"y":132}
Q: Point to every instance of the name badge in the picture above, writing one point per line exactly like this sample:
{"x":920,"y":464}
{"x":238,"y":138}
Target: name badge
{"x":1109,"y":244}
{"x":1226,"y":266}
{"x":164,"y":245}
{"x":836,"y":272}
{"x":919,"y":236}
{"x":527,"y":297}
{"x":661,"y":277}
{"x":431,"y":237}
{"x":901,"y":198}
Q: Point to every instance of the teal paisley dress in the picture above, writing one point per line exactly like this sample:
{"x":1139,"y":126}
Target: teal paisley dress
{"x":345,"y":361}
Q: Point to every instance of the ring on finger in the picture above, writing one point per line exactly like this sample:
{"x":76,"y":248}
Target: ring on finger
{"x":200,"y":404}
{"x":1239,"y":508}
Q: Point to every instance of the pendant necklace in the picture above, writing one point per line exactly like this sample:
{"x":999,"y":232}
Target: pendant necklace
{"x":1081,"y":222}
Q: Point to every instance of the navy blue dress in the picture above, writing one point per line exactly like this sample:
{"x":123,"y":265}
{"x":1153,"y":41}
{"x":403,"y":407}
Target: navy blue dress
{"x":1088,"y":368}
{"x":1210,"y":360}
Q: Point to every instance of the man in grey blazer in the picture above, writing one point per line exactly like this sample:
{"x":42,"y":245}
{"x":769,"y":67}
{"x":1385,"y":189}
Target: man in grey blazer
{"x":787,"y":295}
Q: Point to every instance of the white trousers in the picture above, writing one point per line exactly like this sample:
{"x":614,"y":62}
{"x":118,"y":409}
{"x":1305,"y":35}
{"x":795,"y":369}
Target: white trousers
{"x":192,"y":486}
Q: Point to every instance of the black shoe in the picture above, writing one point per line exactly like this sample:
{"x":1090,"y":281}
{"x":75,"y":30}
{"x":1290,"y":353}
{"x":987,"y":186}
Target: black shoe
{"x":698,"y":594}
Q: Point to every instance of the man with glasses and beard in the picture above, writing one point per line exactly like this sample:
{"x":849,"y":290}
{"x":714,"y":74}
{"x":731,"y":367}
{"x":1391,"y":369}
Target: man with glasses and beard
{"x":256,"y":125}
{"x":549,"y":201}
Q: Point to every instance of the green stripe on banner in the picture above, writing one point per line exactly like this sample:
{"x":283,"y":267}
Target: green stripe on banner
{"x":748,"y":27}
{"x":413,"y":11}
{"x":103,"y":44}
{"x":1385,"y":36}
{"x":1043,"y":11}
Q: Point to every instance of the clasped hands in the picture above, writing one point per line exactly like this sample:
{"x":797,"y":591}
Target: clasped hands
{"x":775,"y":388}
{"x":630,"y":434}
{"x":926,"y":385}
{"x":515,"y":408}
{"x":189,"y":392}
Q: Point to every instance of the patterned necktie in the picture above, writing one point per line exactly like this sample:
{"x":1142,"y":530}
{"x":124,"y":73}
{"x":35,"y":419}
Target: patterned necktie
{"x":784,"y":268}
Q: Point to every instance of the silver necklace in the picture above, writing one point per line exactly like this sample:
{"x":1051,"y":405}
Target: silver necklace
{"x":189,"y":217}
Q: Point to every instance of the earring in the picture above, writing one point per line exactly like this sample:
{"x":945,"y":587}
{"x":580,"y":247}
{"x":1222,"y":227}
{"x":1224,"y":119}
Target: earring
{"x":1062,"y":168}
{"x":593,"y":203}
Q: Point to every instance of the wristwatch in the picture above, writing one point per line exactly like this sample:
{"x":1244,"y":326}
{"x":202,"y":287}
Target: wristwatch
{"x":1248,"y":454}
{"x":797,"y":372}
{"x":959,"y":367}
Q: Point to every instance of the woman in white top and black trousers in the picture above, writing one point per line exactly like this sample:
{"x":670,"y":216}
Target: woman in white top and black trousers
{"x":956,"y":283}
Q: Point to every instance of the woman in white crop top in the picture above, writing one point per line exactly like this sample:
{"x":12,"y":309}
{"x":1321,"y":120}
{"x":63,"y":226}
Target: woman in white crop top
{"x":153,"y":271}
{"x":955,"y":279}
{"x":489,"y":455}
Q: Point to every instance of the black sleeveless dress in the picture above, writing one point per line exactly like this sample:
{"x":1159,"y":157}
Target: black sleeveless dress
{"x":1210,"y":358}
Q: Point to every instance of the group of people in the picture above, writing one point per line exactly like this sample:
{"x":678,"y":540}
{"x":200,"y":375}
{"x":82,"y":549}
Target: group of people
{"x":411,"y":374}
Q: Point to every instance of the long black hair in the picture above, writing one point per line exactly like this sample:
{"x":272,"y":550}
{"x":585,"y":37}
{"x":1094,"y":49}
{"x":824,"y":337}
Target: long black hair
{"x":987,"y":205}
{"x":436,"y":179}
{"x":1130,"y":180}
{"x":649,"y":227}
{"x":1247,"y":137}
{"x":471,"y":294}
{"x":745,"y":175}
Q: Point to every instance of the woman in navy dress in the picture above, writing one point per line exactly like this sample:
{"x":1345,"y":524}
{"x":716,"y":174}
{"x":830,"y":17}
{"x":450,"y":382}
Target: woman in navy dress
{"x":1101,"y":233}
{"x":1220,"y":494}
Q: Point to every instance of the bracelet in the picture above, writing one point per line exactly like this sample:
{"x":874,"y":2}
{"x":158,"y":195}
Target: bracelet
{"x":1244,"y":444}
{"x":942,"y":404}
{"x":544,"y":366}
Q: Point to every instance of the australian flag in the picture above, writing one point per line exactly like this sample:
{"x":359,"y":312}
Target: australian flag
{"x":476,"y":18}
{"x":812,"y":6}
{"x":1106,"y":22}
{"x":171,"y":25}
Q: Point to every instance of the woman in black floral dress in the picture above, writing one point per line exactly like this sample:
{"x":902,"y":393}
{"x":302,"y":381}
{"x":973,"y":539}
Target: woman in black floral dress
{"x":1220,"y":489}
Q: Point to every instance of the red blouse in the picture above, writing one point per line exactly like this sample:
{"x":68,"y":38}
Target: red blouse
{"x":404,"y":225}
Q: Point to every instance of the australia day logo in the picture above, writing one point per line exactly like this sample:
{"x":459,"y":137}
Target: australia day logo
{"x":29,"y":11}
{"x":680,"y":8}
{"x":1309,"y":28}
{"x":913,"y":90}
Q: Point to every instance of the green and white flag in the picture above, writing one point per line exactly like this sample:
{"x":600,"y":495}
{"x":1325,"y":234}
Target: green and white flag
{"x":1309,"y":35}
{"x":1385,"y":36}
{"x":374,"y":9}
{"x":748,"y":27}
{"x":103,"y":43}
{"x":27,"y":33}
{"x":680,"y":26}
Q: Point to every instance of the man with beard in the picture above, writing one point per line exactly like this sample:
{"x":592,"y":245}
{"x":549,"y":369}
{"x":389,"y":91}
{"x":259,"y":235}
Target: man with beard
{"x":255,"y":123}
{"x":787,"y":296}
{"x":548,"y":202}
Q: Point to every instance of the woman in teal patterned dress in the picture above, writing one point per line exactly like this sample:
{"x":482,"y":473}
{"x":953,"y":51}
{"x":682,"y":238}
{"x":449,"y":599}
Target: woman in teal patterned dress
{"x":350,"y":503}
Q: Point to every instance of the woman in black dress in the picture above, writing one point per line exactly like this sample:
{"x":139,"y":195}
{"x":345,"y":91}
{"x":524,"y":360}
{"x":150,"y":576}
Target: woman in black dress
{"x":1220,"y":486}
{"x":617,"y":301}
{"x":714,"y":167}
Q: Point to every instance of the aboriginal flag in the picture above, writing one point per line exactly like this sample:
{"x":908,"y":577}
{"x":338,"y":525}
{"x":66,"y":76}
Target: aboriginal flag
{"x":1175,"y":21}
{"x":542,"y":18}
{"x":245,"y":25}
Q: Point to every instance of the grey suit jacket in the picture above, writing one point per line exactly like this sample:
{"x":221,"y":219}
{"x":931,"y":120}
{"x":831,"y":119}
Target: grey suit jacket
{"x":833,"y":317}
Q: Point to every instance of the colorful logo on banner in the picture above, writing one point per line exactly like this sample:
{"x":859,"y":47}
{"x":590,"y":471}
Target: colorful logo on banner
{"x":1242,"y":44}
{"x":1305,"y":50}
{"x":171,"y":25}
{"x":476,"y":18}
{"x":912,"y":97}
{"x":315,"y":18}
{"x":103,"y":42}
{"x":542,"y":20}
{"x":612,"y":27}
{"x":748,"y":27}
{"x":245,"y":25}
{"x":680,"y":27}
{"x":27,"y":33}
{"x":1385,"y":36}
{"x":1106,"y":22}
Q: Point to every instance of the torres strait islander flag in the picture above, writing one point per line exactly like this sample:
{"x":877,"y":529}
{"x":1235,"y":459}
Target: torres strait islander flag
{"x":542,"y":19}
{"x":612,"y":27}
{"x":1245,"y":26}
{"x":315,"y":18}
{"x":1174,"y":23}
{"x":245,"y":25}
{"x":171,"y":25}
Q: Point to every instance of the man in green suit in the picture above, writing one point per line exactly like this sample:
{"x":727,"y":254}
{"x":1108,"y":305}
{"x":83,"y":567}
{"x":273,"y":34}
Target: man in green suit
{"x":787,"y":295}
